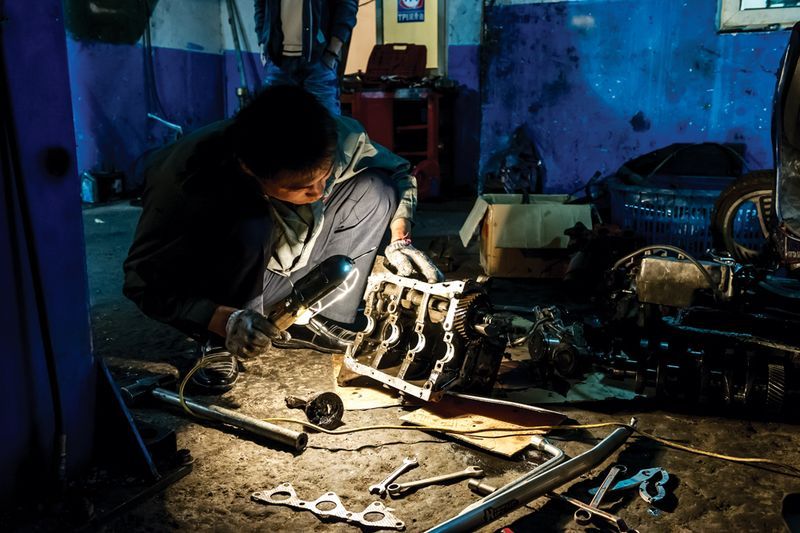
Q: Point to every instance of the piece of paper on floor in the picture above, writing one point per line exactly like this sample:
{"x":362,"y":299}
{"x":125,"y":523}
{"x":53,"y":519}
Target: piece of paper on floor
{"x":593,"y":388}
{"x":362,"y":398}
{"x":463,"y":414}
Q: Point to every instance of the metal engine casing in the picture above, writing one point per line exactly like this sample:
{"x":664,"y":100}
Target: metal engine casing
{"x":423,"y":339}
{"x":673,"y":282}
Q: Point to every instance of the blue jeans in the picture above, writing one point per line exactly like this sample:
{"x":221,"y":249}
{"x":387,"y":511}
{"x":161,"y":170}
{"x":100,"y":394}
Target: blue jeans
{"x":316,"y":78}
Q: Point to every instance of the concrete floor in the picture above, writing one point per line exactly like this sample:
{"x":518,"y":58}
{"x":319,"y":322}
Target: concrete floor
{"x":706,"y":494}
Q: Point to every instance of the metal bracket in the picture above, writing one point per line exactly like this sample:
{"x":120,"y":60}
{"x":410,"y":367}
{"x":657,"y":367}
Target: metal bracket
{"x":375,"y":515}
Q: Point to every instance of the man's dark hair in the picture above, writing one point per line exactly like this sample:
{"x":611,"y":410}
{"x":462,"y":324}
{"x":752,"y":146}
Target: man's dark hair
{"x":283,"y":128}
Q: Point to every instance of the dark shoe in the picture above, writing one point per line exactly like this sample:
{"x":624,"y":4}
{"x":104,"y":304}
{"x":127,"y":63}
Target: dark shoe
{"x":220,"y":374}
{"x":319,"y":334}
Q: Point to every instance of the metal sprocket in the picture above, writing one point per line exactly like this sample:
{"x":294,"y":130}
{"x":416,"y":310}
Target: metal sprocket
{"x":464,"y":310}
{"x":776,"y":388}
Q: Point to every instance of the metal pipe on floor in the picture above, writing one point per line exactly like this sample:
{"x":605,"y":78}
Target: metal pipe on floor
{"x":523,"y":490}
{"x":294,"y":439}
{"x":557,"y":456}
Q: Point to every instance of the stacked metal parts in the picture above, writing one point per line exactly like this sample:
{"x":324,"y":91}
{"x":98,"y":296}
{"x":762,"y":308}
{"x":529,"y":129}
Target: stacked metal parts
{"x":424,"y":339}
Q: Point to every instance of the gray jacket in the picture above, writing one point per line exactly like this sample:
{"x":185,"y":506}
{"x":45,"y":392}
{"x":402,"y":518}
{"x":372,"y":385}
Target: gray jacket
{"x":356,"y":153}
{"x":184,"y":260}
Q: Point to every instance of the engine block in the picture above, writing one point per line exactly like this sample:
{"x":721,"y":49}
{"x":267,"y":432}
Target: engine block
{"x":423,"y":339}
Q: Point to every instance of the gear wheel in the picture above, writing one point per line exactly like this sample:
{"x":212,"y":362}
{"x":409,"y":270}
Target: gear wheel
{"x":776,"y":389}
{"x":464,"y":310}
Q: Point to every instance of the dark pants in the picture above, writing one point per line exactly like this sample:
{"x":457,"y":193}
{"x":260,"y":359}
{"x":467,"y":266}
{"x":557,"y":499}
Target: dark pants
{"x":357,"y":215}
{"x":316,"y":78}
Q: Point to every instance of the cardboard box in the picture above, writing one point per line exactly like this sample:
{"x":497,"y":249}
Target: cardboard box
{"x":523,"y":240}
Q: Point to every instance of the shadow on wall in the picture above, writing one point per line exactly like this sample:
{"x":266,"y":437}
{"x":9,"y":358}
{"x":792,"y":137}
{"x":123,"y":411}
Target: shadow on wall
{"x":108,"y":21}
{"x":463,"y":66}
{"x":597,"y":83}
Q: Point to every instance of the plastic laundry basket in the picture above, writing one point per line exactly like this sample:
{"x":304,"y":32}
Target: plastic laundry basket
{"x":668,"y":209}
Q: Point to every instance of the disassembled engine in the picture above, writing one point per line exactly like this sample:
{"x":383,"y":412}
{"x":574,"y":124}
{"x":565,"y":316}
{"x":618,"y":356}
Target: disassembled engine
{"x":424,"y":339}
{"x":687,"y":330}
{"x":702,"y":331}
{"x":682,"y":329}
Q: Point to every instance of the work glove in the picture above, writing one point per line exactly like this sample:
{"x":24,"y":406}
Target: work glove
{"x":407,"y":260}
{"x":248,"y":333}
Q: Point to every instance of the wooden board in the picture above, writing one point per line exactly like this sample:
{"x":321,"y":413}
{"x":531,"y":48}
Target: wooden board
{"x":464,"y":414}
{"x":367,"y":395}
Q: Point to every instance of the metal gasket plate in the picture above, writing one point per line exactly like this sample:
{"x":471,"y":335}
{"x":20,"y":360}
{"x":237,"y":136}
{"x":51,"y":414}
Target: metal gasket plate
{"x":375,"y":515}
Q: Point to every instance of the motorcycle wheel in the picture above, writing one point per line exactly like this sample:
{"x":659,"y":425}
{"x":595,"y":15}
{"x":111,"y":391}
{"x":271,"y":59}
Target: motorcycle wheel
{"x":741,"y":218}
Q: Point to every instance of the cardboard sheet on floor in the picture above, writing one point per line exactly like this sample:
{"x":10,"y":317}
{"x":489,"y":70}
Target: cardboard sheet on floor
{"x":366,"y":394}
{"x":463,"y":414}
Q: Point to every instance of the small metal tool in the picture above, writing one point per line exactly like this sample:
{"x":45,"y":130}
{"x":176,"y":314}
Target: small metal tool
{"x":324,"y":409}
{"x":329,"y":506}
{"x":397,"y":489}
{"x":584,"y":516}
{"x":658,"y":485}
{"x":480,"y":487}
{"x":644,"y":479}
{"x":408,"y":464}
{"x":618,"y":522}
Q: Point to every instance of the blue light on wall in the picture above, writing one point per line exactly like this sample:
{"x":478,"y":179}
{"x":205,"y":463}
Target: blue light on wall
{"x":596,"y":83}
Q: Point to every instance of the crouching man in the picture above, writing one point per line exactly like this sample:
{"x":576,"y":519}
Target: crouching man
{"x":236,"y":211}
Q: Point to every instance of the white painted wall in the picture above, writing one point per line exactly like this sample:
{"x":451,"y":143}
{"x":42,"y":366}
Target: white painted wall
{"x":362,"y":40}
{"x":187,"y":25}
{"x":246,"y":10}
{"x":464,"y":18}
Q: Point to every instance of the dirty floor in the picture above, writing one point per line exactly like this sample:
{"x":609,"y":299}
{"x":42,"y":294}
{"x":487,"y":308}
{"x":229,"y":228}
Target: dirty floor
{"x":705,"y":494}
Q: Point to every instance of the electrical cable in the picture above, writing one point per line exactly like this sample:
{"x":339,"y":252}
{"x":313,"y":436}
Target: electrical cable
{"x":251,"y":58}
{"x":785,"y":469}
{"x":151,"y":87}
{"x":243,"y":91}
{"x":667,"y":247}
{"x":16,"y":183}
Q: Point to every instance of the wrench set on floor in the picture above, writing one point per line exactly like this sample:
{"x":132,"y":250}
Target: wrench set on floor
{"x":399,"y":490}
{"x":650,"y":483}
{"x":375,"y":515}
{"x":647,"y":481}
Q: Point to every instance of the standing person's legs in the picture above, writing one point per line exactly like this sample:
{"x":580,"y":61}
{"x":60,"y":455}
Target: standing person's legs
{"x":323,"y":82}
{"x":315,"y":78}
{"x":357,"y":215}
{"x":289,"y":73}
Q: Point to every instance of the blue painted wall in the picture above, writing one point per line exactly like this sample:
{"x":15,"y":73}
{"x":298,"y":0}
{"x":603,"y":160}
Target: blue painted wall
{"x":463,"y":62}
{"x":598,"y":82}
{"x":34,"y":52}
{"x":254,"y":73}
{"x":464,"y":19}
{"x":109,"y":91}
{"x":108,"y":84}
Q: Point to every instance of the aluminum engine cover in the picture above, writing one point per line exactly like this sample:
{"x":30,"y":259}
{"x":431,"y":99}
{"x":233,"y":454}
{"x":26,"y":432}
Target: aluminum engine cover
{"x":423,"y":339}
{"x":672,"y":282}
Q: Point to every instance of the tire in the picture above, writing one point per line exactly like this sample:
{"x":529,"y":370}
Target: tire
{"x":740,"y":221}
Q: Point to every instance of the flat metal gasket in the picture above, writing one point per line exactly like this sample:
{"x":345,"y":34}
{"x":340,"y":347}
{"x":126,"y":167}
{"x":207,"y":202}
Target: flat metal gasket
{"x":330,"y":506}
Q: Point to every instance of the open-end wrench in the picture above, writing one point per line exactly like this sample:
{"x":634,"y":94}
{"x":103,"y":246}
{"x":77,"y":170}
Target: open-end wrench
{"x":380,"y":488}
{"x":643,"y":479}
{"x":484,"y":489}
{"x":644,"y":488}
{"x":397,"y":489}
{"x":584,"y":516}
